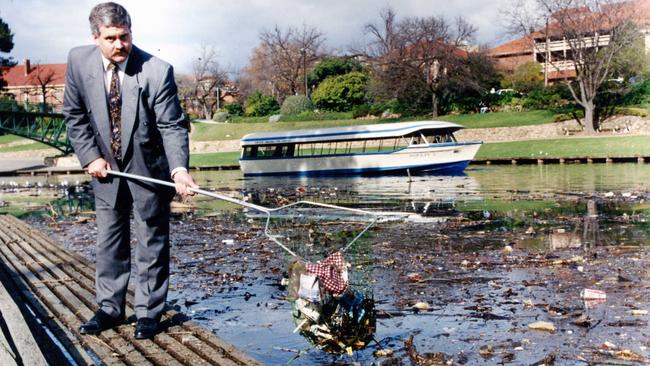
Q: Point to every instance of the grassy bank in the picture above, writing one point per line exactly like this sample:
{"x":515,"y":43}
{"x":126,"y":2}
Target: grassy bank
{"x":5,"y":139}
{"x":235,"y":131}
{"x":23,"y":147}
{"x":214,"y":159}
{"x":555,"y":148}
{"x":568,"y":148}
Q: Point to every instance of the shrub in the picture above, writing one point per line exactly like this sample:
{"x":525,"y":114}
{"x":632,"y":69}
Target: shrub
{"x":332,"y":66}
{"x":258,"y":105}
{"x":342,"y":93}
{"x":315,"y":116}
{"x":629,"y":111}
{"x":10,"y":104}
{"x":542,"y":99}
{"x":295,"y":104}
{"x":639,"y":93}
{"x":234,"y":109}
{"x":360,"y":111}
{"x":220,"y":116}
{"x":568,"y":116}
{"x":526,"y":78}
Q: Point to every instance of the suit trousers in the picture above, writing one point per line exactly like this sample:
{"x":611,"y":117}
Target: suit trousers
{"x":113,"y":258}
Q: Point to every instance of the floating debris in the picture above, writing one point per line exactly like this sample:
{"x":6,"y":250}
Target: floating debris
{"x":331,"y":315}
{"x":543,"y":326}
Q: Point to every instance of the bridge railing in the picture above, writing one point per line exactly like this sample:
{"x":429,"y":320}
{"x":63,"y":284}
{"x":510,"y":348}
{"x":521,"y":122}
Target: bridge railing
{"x":48,"y":128}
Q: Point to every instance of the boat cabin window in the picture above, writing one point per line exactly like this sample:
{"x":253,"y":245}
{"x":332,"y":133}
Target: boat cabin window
{"x":376,"y":145}
{"x":438,"y":136}
{"x":268,"y":151}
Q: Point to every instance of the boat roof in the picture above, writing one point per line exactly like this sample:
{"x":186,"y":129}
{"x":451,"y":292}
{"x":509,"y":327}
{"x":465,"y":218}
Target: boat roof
{"x":380,"y":130}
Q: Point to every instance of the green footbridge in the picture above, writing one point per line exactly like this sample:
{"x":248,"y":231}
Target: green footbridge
{"x":47,"y":128}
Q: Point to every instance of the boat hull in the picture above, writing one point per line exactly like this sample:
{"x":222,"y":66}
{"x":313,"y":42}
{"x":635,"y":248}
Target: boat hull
{"x":449,"y":158}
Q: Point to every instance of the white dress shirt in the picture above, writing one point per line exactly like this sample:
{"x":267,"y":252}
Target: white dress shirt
{"x":108,"y":74}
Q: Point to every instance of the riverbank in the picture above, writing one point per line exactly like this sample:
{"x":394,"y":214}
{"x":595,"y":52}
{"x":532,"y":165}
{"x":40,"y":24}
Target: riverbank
{"x":622,"y":137}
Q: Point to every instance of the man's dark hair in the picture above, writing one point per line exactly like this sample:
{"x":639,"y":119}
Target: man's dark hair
{"x":107,"y":15}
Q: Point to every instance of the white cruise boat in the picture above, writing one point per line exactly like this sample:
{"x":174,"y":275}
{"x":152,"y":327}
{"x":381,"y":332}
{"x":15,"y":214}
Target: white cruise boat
{"x":387,"y":148}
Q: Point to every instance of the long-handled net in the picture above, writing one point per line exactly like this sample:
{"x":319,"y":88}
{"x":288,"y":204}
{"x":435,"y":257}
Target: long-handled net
{"x":329,"y":284}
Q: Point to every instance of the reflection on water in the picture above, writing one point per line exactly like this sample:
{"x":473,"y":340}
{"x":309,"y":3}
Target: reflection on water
{"x":420,"y":194}
{"x":479,"y":183}
{"x":569,"y":178}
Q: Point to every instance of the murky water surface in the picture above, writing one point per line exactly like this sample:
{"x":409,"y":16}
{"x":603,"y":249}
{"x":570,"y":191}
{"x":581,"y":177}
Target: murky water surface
{"x":478,"y":259}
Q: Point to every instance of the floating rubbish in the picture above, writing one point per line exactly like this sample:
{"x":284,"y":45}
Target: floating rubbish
{"x":385,"y":352}
{"x":331,"y":315}
{"x":638,"y":312}
{"x":591,"y":294}
{"x":593,"y":303}
{"x":543,"y":326}
{"x":421,"y":306}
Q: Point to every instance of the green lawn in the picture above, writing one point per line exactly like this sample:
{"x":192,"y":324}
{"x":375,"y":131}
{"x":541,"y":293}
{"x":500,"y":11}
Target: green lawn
{"x":235,"y":131}
{"x":501,"y":119}
{"x":556,"y":148}
{"x":568,"y":148}
{"x":5,"y":139}
{"x":215,"y":159}
{"x":24,"y":147}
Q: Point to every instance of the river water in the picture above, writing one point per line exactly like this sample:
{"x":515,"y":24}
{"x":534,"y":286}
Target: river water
{"x":565,"y":228}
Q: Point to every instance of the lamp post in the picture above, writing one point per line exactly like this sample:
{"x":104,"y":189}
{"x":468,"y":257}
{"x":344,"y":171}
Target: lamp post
{"x":218,"y":95}
{"x":303,"y":51}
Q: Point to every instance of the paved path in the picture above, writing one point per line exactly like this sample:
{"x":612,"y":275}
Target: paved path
{"x":13,"y":164}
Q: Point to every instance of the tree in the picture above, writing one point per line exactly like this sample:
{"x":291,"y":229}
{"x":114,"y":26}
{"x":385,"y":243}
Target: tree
{"x":332,"y":66}
{"x":257,"y":76}
{"x":525,"y":78}
{"x":470,"y":89}
{"x":414,"y":58}
{"x":6,"y":45}
{"x":286,"y":55}
{"x":595,"y":31}
{"x":203,"y":89}
{"x":43,"y":78}
{"x":258,"y":105}
{"x":343,"y":92}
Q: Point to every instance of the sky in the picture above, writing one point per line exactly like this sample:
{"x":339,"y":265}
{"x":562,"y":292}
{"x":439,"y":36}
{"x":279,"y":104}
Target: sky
{"x":174,"y":30}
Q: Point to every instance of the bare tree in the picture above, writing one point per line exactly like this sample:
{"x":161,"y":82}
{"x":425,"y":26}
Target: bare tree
{"x":592,"y":32}
{"x":417,"y":54}
{"x":384,"y":36}
{"x":44,"y":79}
{"x":258,"y":75}
{"x":286,"y":55}
{"x":203,"y":90}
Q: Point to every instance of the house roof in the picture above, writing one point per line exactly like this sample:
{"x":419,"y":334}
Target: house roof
{"x":593,"y":21}
{"x":523,"y":45}
{"x":638,"y":10}
{"x":15,"y":76}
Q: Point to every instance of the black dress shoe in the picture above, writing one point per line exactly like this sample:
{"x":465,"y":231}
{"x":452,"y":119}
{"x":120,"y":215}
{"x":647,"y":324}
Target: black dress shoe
{"x":146,"y":328}
{"x":100,"y":322}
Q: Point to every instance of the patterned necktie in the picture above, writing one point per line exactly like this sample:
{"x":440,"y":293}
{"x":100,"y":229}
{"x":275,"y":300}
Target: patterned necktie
{"x":115,"y":108}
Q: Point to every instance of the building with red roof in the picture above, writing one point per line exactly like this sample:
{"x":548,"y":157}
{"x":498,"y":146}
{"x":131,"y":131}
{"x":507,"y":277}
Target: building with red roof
{"x":552,"y":51}
{"x":35,"y":84}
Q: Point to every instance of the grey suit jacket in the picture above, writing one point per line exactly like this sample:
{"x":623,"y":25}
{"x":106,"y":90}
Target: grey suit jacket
{"x":154,"y":128}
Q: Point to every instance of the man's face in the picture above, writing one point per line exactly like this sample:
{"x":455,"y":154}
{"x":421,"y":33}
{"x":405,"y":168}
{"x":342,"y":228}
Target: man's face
{"x":114,"y":42}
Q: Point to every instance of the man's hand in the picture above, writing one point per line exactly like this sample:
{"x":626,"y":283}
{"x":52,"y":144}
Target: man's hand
{"x":98,"y":168}
{"x":183,"y":181}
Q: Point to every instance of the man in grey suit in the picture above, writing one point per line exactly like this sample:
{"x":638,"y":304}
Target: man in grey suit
{"x":122,"y":113}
